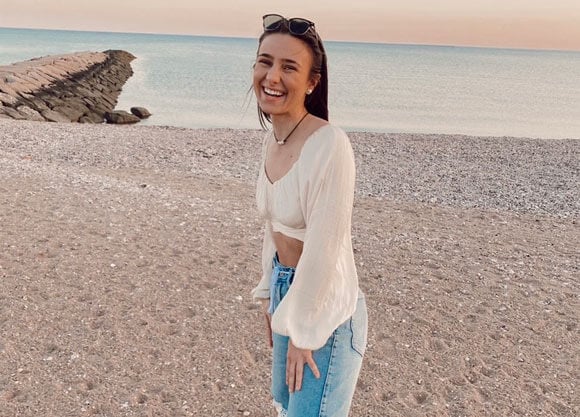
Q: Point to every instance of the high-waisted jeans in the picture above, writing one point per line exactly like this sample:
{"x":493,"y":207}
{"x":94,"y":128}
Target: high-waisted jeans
{"x":339,"y":361}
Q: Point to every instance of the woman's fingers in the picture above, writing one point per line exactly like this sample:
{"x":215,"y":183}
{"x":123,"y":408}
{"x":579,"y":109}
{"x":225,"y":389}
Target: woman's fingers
{"x":298,"y":379}
{"x":290,"y":374}
{"x":295,"y":362}
{"x":313,"y":367}
{"x":269,"y":329}
{"x":291,"y":364}
{"x":268,"y":317}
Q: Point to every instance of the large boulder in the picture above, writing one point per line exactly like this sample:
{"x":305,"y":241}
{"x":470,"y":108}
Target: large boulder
{"x":52,"y":116}
{"x":73,"y":111}
{"x":15,"y":114}
{"x":94,"y":117}
{"x":7,"y":99}
{"x":85,"y":119}
{"x":121,"y":117}
{"x":30,"y":114}
{"x":140,"y":112}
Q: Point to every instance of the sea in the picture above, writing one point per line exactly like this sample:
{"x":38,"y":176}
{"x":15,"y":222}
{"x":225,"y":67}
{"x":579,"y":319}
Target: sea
{"x":204,"y":82}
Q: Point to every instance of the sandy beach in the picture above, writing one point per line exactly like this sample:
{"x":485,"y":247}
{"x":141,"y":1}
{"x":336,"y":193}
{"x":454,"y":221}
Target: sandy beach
{"x":127,"y":255}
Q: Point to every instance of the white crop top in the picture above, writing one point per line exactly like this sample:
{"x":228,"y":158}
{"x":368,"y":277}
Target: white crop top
{"x":312,"y":203}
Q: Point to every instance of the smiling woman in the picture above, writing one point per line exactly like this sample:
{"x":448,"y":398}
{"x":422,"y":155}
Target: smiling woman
{"x":282,"y":77}
{"x":316,"y":317}
{"x":304,"y":60}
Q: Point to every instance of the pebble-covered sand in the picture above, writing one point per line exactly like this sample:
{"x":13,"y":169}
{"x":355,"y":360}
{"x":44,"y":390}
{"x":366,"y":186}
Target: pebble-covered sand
{"x":127,"y":255}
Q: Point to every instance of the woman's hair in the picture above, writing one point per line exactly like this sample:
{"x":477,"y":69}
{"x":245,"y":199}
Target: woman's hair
{"x":317,"y":102}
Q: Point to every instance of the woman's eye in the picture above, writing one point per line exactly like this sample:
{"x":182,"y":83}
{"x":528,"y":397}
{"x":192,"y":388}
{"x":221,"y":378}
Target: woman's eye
{"x":289,"y":68}
{"x":264,"y":62}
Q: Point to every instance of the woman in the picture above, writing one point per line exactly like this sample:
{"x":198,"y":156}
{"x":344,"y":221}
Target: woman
{"x":315,"y":313}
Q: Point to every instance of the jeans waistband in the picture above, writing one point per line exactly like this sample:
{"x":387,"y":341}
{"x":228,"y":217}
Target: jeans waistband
{"x":283,"y":273}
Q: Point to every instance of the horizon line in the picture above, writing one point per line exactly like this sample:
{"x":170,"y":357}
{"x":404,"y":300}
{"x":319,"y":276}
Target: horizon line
{"x":515,"y":48}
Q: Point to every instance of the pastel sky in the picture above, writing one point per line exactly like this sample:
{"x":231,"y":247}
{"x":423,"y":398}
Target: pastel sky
{"x":543,"y":24}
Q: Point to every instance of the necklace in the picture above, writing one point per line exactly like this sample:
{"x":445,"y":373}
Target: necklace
{"x":283,"y":141}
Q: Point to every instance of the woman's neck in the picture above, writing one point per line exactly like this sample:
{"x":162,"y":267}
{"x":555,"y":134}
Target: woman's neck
{"x":283,"y":125}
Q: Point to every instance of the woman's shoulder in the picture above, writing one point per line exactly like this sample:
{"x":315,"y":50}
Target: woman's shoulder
{"x":327,"y":136}
{"x":326,"y":144}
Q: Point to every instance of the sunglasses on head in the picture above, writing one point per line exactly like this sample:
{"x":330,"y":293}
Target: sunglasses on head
{"x":296,"y":25}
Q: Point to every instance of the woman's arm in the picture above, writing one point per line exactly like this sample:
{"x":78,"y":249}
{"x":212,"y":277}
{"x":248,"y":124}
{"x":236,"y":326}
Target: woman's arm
{"x":324,"y":291}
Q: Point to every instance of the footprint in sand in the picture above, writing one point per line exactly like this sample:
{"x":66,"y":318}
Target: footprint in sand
{"x":420,"y":397}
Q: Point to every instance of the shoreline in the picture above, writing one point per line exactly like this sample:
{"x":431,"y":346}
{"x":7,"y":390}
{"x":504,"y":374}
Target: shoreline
{"x":515,"y":96}
{"x":128,"y":254}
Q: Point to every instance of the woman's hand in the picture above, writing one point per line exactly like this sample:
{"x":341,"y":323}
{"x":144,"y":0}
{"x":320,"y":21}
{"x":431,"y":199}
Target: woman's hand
{"x":268,"y":318}
{"x":295,"y":362}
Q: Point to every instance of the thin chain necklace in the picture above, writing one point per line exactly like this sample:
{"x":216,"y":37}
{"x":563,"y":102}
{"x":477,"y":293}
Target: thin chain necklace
{"x":283,"y":141}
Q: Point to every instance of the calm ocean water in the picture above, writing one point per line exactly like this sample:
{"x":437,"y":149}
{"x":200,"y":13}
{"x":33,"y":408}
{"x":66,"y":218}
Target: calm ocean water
{"x":193,"y":81}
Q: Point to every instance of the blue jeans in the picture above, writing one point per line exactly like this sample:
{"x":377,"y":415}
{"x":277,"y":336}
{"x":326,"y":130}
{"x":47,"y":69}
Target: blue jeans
{"x":339,"y":361}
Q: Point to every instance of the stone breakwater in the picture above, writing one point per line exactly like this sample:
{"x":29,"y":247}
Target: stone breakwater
{"x":79,"y":87}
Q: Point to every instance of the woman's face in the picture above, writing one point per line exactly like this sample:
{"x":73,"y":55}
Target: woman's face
{"x":282,"y":75}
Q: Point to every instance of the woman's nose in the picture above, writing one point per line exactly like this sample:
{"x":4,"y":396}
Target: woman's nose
{"x":273,"y":74}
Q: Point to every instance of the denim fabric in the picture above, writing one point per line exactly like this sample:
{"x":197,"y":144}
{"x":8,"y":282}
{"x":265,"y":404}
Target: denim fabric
{"x":339,"y":361}
{"x":280,"y":280}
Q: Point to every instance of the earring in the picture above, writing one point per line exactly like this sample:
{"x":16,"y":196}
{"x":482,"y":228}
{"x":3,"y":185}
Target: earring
{"x":309,"y":91}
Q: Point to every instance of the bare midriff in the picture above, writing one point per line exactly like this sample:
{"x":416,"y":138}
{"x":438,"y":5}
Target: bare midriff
{"x":288,"y":248}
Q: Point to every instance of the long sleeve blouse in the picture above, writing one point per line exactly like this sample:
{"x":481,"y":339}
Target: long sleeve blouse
{"x":312,"y":202}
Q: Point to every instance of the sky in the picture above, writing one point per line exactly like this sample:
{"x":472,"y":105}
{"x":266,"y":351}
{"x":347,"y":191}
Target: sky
{"x":535,"y":24}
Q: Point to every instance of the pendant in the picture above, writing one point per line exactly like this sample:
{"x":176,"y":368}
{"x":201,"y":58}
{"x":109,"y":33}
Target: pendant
{"x":283,"y":141}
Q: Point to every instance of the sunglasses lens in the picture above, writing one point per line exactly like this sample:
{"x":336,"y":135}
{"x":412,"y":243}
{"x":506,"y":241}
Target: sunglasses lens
{"x":272,"y":21}
{"x":299,"y":26}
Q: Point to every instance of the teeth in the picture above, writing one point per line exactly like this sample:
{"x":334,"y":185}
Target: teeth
{"x":273,"y":92}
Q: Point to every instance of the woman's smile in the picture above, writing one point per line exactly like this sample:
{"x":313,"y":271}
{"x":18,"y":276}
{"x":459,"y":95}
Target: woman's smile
{"x":272,"y":92}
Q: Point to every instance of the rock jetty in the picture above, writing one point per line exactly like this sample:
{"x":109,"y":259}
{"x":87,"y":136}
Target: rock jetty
{"x":79,"y":87}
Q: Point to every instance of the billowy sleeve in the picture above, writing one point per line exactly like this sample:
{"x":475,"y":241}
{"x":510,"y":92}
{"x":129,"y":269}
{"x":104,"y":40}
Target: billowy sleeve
{"x":325,"y":287}
{"x":262,"y":290}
